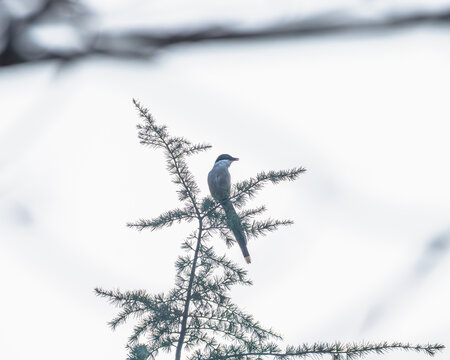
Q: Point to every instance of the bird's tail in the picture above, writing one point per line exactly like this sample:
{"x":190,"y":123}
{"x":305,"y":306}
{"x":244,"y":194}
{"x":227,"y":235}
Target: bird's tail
{"x":235,"y":225}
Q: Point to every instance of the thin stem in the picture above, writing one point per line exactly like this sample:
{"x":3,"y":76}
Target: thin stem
{"x":197,"y":249}
{"x":175,"y":162}
{"x":430,"y":349}
{"x":174,"y":159}
{"x":189,"y":295}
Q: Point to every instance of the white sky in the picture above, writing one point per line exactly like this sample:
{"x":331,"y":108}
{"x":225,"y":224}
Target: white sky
{"x":366,"y":115}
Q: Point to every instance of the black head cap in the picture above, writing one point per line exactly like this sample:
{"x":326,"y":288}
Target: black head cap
{"x":226,"y":157}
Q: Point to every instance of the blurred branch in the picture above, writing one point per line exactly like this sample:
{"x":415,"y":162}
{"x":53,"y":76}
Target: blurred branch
{"x":145,"y":43}
{"x":399,"y":293}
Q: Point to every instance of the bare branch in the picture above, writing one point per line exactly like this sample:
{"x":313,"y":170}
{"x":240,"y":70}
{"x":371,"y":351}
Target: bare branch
{"x":145,"y":44}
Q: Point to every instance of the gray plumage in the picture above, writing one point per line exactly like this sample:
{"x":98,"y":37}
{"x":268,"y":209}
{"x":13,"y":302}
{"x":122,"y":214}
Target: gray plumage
{"x":219,"y":182}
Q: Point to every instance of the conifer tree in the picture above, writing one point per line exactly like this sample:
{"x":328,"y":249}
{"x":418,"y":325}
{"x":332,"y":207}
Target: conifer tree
{"x":197,"y":318}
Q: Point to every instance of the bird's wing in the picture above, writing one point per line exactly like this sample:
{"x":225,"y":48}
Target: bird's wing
{"x":219,"y":183}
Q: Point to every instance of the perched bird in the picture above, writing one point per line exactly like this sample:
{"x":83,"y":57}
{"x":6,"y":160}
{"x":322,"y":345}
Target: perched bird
{"x":219,"y":182}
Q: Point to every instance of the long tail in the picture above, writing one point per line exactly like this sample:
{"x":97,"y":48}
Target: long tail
{"x":235,"y":225}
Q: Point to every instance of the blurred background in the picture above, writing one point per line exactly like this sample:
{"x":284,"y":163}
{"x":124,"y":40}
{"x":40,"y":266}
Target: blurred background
{"x":357,"y":92}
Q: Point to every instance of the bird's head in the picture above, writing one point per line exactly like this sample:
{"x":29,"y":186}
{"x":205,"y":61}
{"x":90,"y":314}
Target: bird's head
{"x":227,"y":159}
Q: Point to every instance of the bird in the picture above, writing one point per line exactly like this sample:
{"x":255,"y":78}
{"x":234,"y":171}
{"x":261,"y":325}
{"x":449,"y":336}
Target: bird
{"x":219,"y":182}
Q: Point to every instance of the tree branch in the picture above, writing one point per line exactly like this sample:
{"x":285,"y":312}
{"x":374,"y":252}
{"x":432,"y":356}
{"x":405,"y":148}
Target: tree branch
{"x":145,"y":44}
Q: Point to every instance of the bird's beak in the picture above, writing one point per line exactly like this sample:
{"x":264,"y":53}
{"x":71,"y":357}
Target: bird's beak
{"x":235,"y":159}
